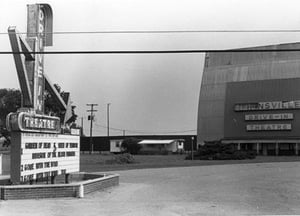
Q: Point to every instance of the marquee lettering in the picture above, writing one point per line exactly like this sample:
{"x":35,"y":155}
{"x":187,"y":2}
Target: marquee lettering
{"x":39,"y":79}
{"x":273,"y":116}
{"x":273,"y":105}
{"x":268,"y":127}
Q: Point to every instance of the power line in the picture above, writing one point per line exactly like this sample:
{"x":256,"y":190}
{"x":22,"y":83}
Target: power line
{"x":160,"y":132}
{"x":111,"y":128}
{"x":156,"y":51}
{"x":145,"y":131}
{"x":171,"y":31}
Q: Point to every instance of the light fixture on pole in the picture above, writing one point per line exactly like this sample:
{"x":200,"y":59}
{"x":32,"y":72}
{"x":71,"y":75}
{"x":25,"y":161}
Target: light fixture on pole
{"x":192,"y":148}
{"x":108,"y":119}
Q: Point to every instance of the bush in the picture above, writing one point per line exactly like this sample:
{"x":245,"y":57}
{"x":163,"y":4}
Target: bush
{"x":125,"y":158}
{"x":130,"y":145}
{"x":218,"y":151}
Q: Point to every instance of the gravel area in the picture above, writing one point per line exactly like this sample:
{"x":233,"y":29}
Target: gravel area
{"x":238,"y":189}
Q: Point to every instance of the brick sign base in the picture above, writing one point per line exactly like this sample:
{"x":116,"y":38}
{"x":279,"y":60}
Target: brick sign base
{"x":88,"y":184}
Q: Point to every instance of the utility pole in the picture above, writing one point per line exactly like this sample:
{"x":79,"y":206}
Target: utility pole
{"x":91,"y":118}
{"x":81,"y":126}
{"x":192,"y":149}
{"x":108,"y":119}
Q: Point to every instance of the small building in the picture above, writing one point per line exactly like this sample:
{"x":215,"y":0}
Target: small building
{"x":160,"y":146}
{"x":104,"y":144}
{"x":115,"y":145}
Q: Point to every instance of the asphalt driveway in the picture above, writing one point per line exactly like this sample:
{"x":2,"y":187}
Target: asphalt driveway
{"x":239,"y":189}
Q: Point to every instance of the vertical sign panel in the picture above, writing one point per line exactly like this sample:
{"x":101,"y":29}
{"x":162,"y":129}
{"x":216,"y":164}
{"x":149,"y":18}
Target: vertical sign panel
{"x":39,"y":26}
{"x":39,"y":65}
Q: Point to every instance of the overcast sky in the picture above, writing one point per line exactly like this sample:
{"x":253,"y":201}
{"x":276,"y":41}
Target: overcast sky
{"x":149,"y":93}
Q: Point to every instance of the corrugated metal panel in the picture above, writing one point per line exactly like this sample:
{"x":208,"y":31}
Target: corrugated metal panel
{"x":218,"y":59}
{"x":237,"y":74}
{"x":211,"y":128}
{"x":213,"y":92}
{"x":260,"y":71}
{"x":215,"y":60}
{"x":288,"y":55}
{"x":211,"y":108}
{"x":212,"y":76}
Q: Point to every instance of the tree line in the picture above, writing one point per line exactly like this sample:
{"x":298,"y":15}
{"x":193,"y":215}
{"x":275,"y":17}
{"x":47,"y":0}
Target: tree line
{"x":10,"y":101}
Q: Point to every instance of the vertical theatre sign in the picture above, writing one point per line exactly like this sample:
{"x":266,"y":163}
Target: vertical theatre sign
{"x":38,"y":30}
{"x":38,"y":150}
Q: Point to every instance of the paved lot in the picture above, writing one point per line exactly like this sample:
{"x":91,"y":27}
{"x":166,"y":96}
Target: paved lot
{"x":267,"y":188}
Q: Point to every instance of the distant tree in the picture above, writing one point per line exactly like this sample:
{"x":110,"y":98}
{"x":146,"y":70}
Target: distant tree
{"x":131,"y":145}
{"x":73,"y":118}
{"x":52,"y":108}
{"x":4,"y":137}
{"x":10,"y":101}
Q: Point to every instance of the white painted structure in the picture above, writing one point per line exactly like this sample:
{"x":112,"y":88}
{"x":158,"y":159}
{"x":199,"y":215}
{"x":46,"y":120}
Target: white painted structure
{"x":162,"y":145}
{"x":115,"y":146}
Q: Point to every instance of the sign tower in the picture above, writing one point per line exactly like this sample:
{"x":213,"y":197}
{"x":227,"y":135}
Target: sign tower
{"x":39,"y":150}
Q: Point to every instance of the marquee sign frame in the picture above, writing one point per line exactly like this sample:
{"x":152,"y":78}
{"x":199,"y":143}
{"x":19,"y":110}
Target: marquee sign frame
{"x":26,"y":122}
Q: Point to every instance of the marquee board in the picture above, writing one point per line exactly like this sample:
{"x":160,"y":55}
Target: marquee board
{"x":41,"y":155}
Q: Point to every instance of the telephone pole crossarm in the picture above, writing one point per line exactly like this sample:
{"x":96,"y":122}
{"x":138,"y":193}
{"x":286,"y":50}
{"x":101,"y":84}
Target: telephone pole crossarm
{"x":91,"y":118}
